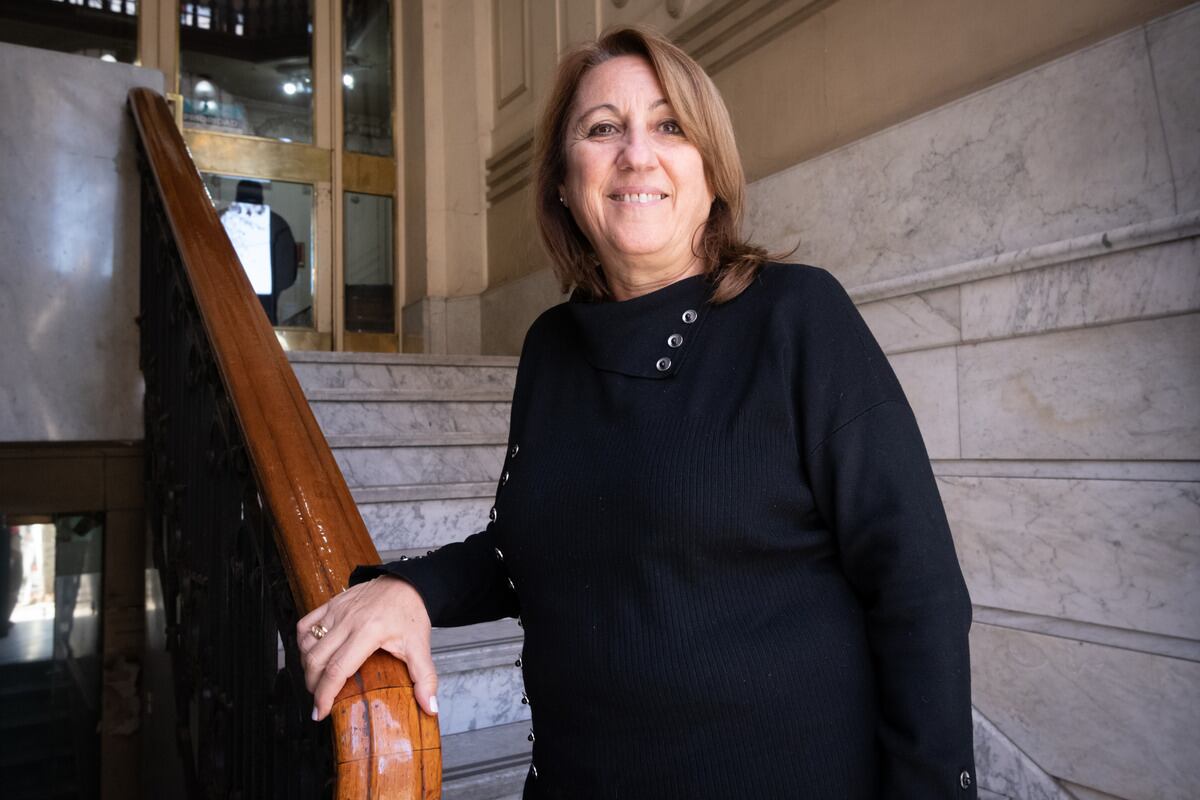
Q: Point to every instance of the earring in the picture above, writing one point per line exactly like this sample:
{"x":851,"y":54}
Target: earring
{"x":562,"y":200}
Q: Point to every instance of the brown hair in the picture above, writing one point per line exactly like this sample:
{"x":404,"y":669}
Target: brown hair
{"x":730,"y":262}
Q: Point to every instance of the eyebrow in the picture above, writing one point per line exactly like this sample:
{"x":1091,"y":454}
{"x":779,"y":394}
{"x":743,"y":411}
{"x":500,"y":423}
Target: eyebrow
{"x":662,"y":101}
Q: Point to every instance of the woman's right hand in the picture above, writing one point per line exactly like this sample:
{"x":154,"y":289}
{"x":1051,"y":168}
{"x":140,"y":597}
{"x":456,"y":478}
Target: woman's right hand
{"x":385,"y":613}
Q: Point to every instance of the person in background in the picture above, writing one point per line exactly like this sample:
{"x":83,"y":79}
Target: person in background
{"x":284,"y":263}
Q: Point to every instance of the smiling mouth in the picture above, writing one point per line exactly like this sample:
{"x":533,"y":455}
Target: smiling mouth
{"x":638,"y":198}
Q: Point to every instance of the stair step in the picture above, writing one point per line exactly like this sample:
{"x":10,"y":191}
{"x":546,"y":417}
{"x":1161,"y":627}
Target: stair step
{"x":418,"y":439}
{"x":398,"y":415}
{"x":424,"y":524}
{"x":479,"y":684}
{"x":371,"y":462}
{"x":424,"y":491}
{"x":466,"y":395}
{"x":405,"y":372}
{"x":486,"y":764}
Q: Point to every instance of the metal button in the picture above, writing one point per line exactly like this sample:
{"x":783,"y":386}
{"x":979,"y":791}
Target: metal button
{"x":512,"y":585}
{"x":689,"y":316}
{"x":493,"y":514}
{"x":404,"y":558}
{"x":674,"y":340}
{"x":533,"y":769}
{"x":499,"y":554}
{"x":520,"y":622}
{"x":964,"y":779}
{"x":518,"y":662}
{"x":504,"y":478}
{"x":530,"y":737}
{"x":524,"y":699}
{"x":516,"y":448}
{"x":663,"y":364}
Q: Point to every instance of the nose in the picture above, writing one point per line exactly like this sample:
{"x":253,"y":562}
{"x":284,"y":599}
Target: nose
{"x":638,"y":152}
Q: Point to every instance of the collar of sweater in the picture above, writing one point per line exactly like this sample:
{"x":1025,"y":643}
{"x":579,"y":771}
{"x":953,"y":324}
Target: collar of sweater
{"x":648,"y":336}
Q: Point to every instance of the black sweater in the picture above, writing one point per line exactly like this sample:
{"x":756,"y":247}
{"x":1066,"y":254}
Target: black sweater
{"x":728,"y":552}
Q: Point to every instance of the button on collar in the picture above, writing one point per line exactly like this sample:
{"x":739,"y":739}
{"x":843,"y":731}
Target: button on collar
{"x":627,"y":336}
{"x":964,"y":779}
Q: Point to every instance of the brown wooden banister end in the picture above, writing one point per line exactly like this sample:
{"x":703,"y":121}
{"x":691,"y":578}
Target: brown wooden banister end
{"x":385,"y":746}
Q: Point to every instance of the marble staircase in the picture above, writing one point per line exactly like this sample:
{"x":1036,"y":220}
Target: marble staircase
{"x":420,"y":440}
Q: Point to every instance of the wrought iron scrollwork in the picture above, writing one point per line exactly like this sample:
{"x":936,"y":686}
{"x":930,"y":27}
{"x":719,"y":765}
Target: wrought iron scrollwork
{"x":242,"y":711}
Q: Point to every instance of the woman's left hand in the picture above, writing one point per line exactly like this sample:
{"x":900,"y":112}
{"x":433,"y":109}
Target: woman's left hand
{"x":386,"y":613}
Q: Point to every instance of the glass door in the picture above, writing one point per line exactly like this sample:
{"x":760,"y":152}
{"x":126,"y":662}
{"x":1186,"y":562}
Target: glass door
{"x":287,"y":109}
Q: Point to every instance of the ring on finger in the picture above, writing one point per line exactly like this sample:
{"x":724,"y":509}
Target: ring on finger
{"x":318,"y":631}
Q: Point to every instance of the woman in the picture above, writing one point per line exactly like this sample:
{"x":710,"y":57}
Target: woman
{"x":716,"y":517}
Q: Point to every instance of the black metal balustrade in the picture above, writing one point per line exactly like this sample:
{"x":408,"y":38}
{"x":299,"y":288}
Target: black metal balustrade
{"x":252,"y":521}
{"x":242,"y":717}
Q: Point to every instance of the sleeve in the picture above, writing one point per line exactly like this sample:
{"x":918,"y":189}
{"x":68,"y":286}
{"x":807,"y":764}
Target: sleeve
{"x":873,"y":484}
{"x":461,"y":583}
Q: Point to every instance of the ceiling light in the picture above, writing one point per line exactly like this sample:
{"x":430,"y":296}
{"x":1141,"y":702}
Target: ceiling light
{"x":348,"y":80}
{"x":289,"y":88}
{"x":109,"y":57}
{"x":204,"y":86}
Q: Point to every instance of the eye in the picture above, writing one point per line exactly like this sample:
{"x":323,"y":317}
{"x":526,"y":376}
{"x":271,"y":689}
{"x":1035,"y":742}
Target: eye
{"x":670,"y":126}
{"x":602,"y":129}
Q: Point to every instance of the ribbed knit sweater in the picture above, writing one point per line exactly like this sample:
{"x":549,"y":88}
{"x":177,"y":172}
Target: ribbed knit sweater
{"x":727,"y":548}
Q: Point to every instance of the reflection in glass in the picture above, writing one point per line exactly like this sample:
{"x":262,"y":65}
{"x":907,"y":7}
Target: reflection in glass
{"x":247,"y":67}
{"x":367,"y":76}
{"x":50,"y":651}
{"x":270,"y":225}
{"x":370,"y":300}
{"x":106,"y":29}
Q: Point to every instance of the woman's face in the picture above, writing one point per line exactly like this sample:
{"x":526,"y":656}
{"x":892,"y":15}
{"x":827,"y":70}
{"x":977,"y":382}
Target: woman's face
{"x":635,"y":184}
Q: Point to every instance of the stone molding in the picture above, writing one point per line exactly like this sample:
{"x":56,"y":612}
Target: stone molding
{"x":1128,"y":237}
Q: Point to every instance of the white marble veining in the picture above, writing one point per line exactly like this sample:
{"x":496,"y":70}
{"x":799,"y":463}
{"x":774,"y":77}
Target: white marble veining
{"x":1124,"y":391}
{"x":929,"y":378}
{"x":414,"y":378}
{"x":1120,"y":721}
{"x":1119,"y":553}
{"x":1174,"y":43}
{"x":480,"y":698}
{"x":1004,"y":771}
{"x":1069,"y":148}
{"x":69,"y":265}
{"x":911,"y":322}
{"x":1079,"y":792}
{"x":1149,"y":281}
{"x":393,"y":466}
{"x":424,"y":523}
{"x":383,"y":418}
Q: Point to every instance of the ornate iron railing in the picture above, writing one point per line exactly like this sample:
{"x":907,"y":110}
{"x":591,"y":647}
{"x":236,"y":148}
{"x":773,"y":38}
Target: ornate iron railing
{"x":252,"y":522}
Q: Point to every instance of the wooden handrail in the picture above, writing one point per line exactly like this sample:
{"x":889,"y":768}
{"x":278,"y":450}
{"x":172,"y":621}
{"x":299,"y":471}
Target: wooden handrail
{"x":384,"y":745}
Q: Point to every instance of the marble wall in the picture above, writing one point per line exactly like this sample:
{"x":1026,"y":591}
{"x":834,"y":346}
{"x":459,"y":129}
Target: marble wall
{"x":1028,"y":257}
{"x":69,"y":265}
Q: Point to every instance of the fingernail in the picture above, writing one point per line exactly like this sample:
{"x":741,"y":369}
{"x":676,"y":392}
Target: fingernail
{"x":433,"y":704}
{"x":315,"y":715}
